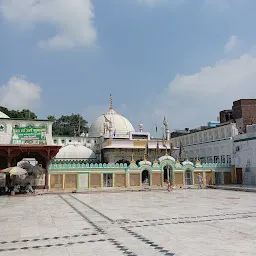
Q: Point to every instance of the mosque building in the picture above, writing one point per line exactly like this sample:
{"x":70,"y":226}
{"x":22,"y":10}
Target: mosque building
{"x":113,"y":154}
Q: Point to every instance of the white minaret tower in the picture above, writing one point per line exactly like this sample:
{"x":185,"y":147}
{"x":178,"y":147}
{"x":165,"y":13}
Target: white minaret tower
{"x":140,"y":127}
{"x":167,"y":131}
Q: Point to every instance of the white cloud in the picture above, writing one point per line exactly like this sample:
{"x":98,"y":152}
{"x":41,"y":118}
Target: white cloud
{"x":73,"y":19}
{"x":193,"y":100}
{"x":231,"y":44}
{"x":19,"y":94}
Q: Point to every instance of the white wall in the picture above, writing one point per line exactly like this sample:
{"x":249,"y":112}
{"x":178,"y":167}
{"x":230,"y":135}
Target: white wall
{"x":215,"y":143}
{"x":245,"y":156}
{"x":6,"y":135}
{"x":66,"y":140}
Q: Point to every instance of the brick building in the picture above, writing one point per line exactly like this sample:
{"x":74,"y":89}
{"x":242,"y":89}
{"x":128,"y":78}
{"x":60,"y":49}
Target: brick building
{"x":244,"y":113}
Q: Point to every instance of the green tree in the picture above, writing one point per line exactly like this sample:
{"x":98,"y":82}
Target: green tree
{"x":27,"y":114}
{"x":72,"y":125}
{"x":51,"y":118}
{"x":24,"y":114}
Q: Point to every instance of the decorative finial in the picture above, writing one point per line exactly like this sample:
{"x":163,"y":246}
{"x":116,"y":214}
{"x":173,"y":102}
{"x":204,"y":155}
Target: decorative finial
{"x":111,"y":102}
{"x":132,"y":159}
{"x":197,"y":160}
{"x":145,"y":157}
{"x":178,"y":161}
{"x":187,"y":156}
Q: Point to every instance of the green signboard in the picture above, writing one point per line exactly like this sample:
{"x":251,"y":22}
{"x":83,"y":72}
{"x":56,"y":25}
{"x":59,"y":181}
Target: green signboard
{"x":29,"y":135}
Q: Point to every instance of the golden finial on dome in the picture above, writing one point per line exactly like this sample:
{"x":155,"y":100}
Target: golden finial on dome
{"x":178,"y":161}
{"x":145,"y":157}
{"x":111,"y":102}
{"x":187,"y":156}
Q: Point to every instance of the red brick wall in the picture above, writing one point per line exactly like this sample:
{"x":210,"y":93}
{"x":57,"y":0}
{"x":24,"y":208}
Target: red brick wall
{"x":245,"y":109}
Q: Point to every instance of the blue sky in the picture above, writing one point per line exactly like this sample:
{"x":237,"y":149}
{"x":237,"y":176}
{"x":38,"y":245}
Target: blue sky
{"x":182,"y":59}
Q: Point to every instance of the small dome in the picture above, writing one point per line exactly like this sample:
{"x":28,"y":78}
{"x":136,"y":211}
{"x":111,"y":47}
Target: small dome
{"x":120,"y":125}
{"x":144,"y":162}
{"x":75,"y":151}
{"x":167,"y":157}
{"x":3,"y":115}
{"x":187,"y":163}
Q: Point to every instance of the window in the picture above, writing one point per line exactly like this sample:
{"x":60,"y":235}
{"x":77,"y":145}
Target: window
{"x":209,"y":159}
{"x":216,"y":159}
{"x":70,"y":140}
{"x":55,"y":141}
{"x":223,"y":159}
{"x":62,"y":141}
{"x":228,"y":159}
{"x":203,"y":160}
{"x":188,"y":177}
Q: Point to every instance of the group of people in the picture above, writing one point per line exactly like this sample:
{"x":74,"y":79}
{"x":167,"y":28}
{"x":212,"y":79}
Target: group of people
{"x":27,"y":189}
{"x":199,"y":180}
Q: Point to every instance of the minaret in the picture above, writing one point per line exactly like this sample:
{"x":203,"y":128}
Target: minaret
{"x":167,"y":131}
{"x":111,"y":102}
{"x":140,"y":127}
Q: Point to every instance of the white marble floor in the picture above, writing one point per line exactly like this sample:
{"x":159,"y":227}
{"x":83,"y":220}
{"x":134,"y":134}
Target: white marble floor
{"x":182,"y":223}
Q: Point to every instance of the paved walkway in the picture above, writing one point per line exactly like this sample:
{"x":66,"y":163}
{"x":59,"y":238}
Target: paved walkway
{"x":182,"y":223}
{"x":235,"y":187}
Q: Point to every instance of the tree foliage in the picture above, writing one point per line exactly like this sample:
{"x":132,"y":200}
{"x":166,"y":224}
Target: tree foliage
{"x":72,"y":125}
{"x":24,"y":114}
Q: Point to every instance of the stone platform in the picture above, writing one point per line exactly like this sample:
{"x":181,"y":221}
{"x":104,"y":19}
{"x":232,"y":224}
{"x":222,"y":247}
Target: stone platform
{"x":182,"y":222}
{"x":235,"y":187}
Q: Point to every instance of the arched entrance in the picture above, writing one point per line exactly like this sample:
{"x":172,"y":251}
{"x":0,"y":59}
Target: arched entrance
{"x":145,"y":178}
{"x":168,"y":174}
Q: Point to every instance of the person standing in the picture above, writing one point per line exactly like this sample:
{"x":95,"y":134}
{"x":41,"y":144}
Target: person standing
{"x":199,"y":180}
{"x":169,"y":185}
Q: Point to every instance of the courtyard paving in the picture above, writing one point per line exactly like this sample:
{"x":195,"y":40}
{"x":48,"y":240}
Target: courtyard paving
{"x":182,"y":222}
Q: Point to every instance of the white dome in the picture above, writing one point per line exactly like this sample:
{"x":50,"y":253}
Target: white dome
{"x":3,"y":115}
{"x":75,"y":151}
{"x":120,"y":124}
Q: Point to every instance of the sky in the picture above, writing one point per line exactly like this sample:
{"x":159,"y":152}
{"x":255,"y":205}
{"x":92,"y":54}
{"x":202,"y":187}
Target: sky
{"x":182,"y":59}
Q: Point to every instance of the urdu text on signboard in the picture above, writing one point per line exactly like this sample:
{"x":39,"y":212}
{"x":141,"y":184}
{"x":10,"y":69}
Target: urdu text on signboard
{"x":29,"y":135}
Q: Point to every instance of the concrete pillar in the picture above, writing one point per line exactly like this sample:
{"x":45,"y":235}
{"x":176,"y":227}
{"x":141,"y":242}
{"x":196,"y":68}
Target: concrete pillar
{"x":204,"y":179}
